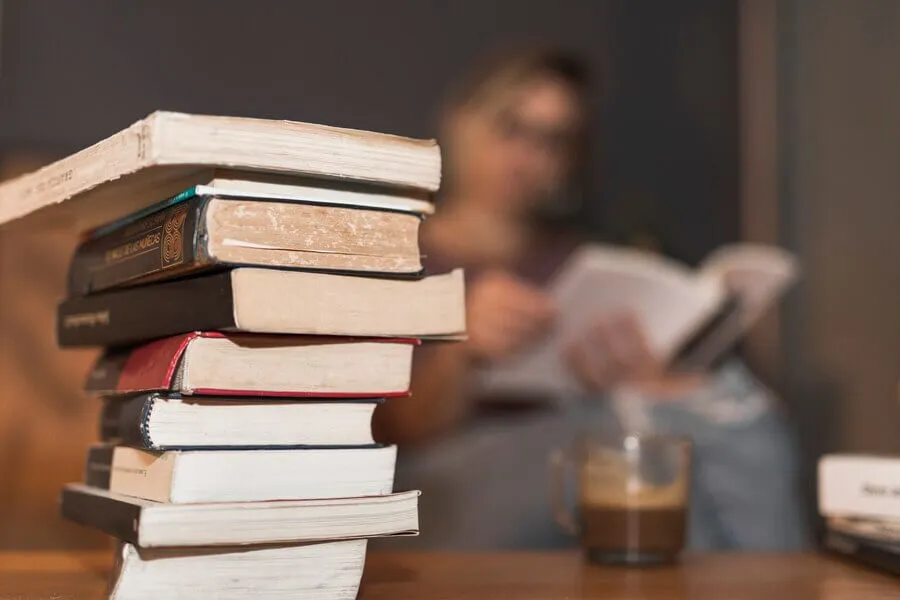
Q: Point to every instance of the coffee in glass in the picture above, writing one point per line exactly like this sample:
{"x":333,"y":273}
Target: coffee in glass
{"x":633,"y":493}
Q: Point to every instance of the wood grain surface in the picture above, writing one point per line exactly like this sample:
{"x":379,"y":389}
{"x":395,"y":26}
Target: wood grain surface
{"x":508,"y":576}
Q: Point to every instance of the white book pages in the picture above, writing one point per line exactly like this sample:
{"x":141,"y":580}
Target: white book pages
{"x":669,"y":300}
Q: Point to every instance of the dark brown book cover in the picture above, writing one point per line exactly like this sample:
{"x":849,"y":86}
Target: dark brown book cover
{"x":124,"y":420}
{"x":116,"y":518}
{"x":138,"y":314}
{"x":98,"y":466}
{"x":164,"y":243}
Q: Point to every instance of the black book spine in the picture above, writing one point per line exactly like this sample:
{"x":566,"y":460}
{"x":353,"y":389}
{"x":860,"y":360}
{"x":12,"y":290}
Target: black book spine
{"x":138,"y":314}
{"x":116,"y":518}
{"x":165,"y":243}
{"x":98,"y":467}
{"x":125,"y":420}
{"x":104,"y":376}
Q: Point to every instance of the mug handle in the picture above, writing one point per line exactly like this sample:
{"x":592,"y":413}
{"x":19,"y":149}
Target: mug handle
{"x":561,"y":464}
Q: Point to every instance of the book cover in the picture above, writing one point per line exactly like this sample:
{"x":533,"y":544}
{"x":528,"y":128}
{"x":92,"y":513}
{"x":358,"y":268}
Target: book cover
{"x":98,"y":466}
{"x":267,"y":301}
{"x":164,"y":243}
{"x":172,"y":239}
{"x":124,"y":317}
{"x":97,"y":184}
{"x":121,"y":520}
{"x":153,"y":367}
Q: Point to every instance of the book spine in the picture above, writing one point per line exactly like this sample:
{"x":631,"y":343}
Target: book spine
{"x":133,"y":315}
{"x":98,"y":467}
{"x":120,"y":154}
{"x":883,"y":531}
{"x":859,"y":487}
{"x":104,"y":376}
{"x":126,"y":421}
{"x":161,"y":244}
{"x":149,"y":367}
{"x":116,"y":518}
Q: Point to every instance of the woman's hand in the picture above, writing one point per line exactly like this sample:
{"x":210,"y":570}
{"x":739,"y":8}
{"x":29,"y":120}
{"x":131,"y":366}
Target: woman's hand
{"x":504,"y":315}
{"x":613,"y":350}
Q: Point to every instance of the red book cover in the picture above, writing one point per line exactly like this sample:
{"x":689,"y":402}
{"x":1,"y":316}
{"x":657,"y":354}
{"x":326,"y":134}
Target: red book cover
{"x":154,"y":367}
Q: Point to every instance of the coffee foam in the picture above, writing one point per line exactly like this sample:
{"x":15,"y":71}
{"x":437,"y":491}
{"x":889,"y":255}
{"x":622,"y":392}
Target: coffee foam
{"x":611,"y":483}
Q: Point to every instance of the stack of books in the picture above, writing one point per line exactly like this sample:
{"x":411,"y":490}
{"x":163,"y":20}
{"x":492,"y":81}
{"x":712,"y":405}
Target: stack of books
{"x":859,"y":498}
{"x":251,"y":323}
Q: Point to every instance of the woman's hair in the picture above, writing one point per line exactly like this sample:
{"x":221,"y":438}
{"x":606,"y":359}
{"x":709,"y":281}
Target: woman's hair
{"x":505,"y":70}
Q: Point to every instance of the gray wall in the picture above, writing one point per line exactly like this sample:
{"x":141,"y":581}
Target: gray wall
{"x":73,"y":72}
{"x":82,"y":69}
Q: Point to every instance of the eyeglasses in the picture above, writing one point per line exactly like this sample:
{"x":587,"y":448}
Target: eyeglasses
{"x":551,"y":140}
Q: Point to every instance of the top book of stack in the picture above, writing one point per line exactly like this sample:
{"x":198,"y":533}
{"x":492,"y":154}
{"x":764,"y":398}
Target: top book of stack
{"x":167,"y":153}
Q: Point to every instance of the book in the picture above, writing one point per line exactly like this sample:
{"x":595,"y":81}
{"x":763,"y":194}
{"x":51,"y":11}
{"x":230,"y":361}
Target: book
{"x":194,"y":233}
{"x":93,"y":186}
{"x":228,"y":183}
{"x":149,"y":524}
{"x":215,"y":364}
{"x":159,"y":422}
{"x":241,"y":475}
{"x":326,"y":571}
{"x":267,"y":301}
{"x":885,"y":557}
{"x":882,"y":530}
{"x":690,"y":317}
{"x":859,"y":486}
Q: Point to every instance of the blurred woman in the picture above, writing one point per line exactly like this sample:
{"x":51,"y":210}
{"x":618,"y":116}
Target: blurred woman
{"x":513,"y":136}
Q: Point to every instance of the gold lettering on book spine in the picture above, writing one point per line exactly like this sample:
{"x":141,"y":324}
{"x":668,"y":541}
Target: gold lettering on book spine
{"x":173,"y":238}
{"x":131,"y":249}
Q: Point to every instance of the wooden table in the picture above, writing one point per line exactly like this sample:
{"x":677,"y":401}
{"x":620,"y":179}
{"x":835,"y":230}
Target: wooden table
{"x":519,"y":576}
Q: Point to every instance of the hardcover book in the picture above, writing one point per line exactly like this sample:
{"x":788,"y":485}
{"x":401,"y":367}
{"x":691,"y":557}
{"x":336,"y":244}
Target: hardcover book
{"x":192,"y":233}
{"x":859,"y":486}
{"x":267,"y":301}
{"x":164,"y":422}
{"x":212,"y":363}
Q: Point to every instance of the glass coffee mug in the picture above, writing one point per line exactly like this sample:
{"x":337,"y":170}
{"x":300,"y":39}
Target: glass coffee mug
{"x":633,"y":494}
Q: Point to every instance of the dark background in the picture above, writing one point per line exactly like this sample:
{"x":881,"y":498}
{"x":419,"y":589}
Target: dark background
{"x":665,"y":158}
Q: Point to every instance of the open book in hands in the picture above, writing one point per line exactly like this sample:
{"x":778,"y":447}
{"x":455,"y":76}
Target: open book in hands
{"x":690,"y":317}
